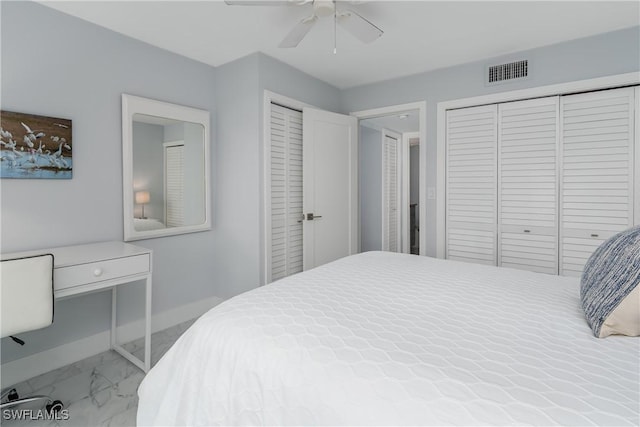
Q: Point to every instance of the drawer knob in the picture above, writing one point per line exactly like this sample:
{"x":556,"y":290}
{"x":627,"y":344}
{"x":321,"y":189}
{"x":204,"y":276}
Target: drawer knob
{"x":97,"y":272}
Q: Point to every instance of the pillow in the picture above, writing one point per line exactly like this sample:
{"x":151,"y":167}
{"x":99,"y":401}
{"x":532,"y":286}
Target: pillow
{"x":609,"y":288}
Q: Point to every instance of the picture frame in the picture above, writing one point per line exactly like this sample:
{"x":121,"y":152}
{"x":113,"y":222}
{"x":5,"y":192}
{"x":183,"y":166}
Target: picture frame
{"x":35,"y":147}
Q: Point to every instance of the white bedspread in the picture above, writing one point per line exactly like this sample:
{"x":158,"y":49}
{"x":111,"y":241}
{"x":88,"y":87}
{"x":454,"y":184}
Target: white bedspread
{"x":387,"y":339}
{"x":146,"y":224}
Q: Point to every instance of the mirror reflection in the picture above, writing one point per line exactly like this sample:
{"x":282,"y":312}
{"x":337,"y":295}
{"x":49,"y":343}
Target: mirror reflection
{"x":165,"y":159}
{"x":168,"y":173}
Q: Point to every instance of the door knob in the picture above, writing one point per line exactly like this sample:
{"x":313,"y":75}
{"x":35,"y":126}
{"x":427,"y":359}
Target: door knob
{"x":311,"y":216}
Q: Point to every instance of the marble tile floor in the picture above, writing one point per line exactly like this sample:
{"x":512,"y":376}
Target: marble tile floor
{"x":98,"y":391}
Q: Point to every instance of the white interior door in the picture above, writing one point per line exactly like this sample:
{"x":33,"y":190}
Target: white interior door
{"x":528,"y":134}
{"x":596,"y":186}
{"x":471,"y":197}
{"x":174,"y":184}
{"x":284,"y":228}
{"x":330,"y":186}
{"x":391,"y":192}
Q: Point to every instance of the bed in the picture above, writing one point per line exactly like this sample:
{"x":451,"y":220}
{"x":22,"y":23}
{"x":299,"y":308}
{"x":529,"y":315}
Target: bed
{"x":390,"y":339}
{"x":146,"y":224}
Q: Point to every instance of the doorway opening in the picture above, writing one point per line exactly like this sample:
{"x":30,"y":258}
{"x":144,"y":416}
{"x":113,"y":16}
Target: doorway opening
{"x":414,"y":193}
{"x":389,"y":178}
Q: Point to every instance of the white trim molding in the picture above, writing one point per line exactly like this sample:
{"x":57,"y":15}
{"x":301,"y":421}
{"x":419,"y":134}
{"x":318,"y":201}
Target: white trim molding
{"x":406,"y":188}
{"x":598,"y":83}
{"x":421,"y":106}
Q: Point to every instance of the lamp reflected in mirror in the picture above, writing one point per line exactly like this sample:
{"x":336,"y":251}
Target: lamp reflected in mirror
{"x":142,"y":198}
{"x":166,"y":168}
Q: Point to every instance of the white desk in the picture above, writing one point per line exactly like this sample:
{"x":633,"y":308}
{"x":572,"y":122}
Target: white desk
{"x":83,"y":269}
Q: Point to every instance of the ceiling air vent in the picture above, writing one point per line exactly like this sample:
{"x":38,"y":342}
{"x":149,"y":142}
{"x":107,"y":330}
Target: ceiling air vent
{"x":507,"y":72}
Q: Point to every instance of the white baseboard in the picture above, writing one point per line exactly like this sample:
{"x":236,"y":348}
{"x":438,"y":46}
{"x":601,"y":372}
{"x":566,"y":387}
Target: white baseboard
{"x":36,"y":364}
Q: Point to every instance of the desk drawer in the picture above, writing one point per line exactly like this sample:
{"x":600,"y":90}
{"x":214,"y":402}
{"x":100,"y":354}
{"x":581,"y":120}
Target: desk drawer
{"x":81,"y":274}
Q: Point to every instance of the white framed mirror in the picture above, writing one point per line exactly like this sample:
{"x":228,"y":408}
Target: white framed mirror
{"x":166,"y":171}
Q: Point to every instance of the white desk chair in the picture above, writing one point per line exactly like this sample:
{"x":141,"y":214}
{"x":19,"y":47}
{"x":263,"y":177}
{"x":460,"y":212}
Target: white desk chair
{"x":26,"y":304}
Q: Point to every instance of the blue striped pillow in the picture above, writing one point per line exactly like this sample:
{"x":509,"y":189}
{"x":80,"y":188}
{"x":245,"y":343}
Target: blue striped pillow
{"x":609,"y":280}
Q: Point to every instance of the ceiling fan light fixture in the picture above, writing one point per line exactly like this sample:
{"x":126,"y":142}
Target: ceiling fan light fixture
{"x":323,"y":8}
{"x":358,"y":26}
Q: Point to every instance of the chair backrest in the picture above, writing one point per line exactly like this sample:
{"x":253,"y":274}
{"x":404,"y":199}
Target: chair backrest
{"x":26,"y":294}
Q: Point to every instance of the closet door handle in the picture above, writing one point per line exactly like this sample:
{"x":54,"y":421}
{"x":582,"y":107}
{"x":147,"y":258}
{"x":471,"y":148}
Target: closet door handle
{"x":527,"y":231}
{"x":309,"y":217}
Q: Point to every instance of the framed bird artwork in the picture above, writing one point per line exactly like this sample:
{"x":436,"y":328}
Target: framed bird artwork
{"x":35,"y":147}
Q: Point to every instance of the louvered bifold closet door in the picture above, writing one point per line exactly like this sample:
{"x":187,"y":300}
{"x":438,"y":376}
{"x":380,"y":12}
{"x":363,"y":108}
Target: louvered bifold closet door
{"x":286,"y":192}
{"x":528,"y":185}
{"x":597,"y":172}
{"x":174,"y":185}
{"x":390,"y":197}
{"x":471,"y":199}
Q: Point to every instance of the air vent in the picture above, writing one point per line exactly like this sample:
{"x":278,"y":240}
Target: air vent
{"x":507,"y":72}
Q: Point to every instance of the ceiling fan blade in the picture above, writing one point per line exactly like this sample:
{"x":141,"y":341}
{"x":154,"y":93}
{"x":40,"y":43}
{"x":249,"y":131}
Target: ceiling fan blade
{"x":362,"y":29}
{"x":296,"y":35}
{"x":266,"y":2}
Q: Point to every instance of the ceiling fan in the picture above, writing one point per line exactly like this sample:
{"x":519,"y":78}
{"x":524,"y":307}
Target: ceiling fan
{"x":351,"y":21}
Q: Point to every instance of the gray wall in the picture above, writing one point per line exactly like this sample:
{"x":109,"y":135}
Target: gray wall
{"x":606,"y":54}
{"x":370,"y":178}
{"x":283,"y":79}
{"x":83,"y":82}
{"x":194,"y":191}
{"x":173,"y":133}
{"x":83,"y":71}
{"x":148,"y":173}
{"x":80,"y":74}
{"x":235,"y":198}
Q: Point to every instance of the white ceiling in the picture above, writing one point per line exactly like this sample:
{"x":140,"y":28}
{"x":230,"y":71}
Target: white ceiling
{"x":418,"y":35}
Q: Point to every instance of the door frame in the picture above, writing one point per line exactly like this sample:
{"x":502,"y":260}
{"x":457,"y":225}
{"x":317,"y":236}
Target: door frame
{"x":607,"y":82}
{"x":265,"y":204}
{"x":400,"y":190}
{"x":406,"y":188}
{"x":421,"y":106}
